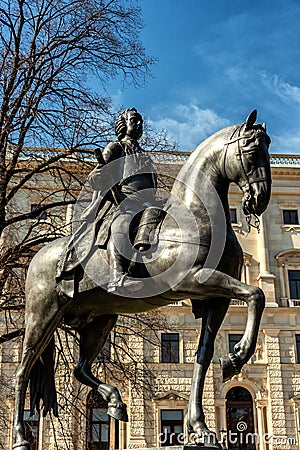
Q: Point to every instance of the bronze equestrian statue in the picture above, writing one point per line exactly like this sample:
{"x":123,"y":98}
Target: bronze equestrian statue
{"x":194,"y":254}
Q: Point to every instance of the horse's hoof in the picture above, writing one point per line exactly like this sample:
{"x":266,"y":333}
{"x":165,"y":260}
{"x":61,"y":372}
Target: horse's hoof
{"x":230,"y":366}
{"x":118,"y":411}
{"x":23,"y":445}
{"x":200,"y":437}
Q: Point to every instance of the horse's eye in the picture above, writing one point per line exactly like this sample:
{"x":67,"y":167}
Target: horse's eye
{"x":251,"y":156}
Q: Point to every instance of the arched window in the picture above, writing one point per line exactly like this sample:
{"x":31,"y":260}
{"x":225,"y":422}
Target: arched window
{"x":99,"y":427}
{"x":240,"y":421}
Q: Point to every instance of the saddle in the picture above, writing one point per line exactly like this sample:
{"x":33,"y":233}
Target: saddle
{"x":81,"y":265}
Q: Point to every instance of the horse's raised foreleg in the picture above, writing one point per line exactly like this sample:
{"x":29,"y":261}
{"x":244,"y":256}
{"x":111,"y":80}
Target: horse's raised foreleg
{"x":92,"y":338}
{"x":212,"y":317}
{"x":217,"y":282}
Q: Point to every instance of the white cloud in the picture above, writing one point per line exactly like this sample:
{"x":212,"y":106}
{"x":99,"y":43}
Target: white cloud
{"x":285,"y":91}
{"x":189,"y":125}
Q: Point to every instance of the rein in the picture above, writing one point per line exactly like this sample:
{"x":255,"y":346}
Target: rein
{"x":249,"y":180}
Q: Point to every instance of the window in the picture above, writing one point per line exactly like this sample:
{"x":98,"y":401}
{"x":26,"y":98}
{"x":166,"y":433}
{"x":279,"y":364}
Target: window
{"x":288,"y":262}
{"x":99,"y":427}
{"x":171,"y":427}
{"x":298,"y":348}
{"x":98,"y":424}
{"x":233,"y":339}
{"x":31,"y":423}
{"x":170,"y":347}
{"x":38,"y":215}
{"x":233,"y":215}
{"x":239,"y":410}
{"x":294,"y":283}
{"x":290,"y":216}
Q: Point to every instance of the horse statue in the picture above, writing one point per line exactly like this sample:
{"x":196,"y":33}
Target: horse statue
{"x":196,"y":256}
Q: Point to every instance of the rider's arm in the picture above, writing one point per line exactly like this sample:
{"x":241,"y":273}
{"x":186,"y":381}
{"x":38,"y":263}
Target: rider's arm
{"x":98,"y":178}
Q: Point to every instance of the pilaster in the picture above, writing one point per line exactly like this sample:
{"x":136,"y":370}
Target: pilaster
{"x":266,"y":280}
{"x":137,"y":436}
{"x":275,"y":386}
{"x":209,"y":400}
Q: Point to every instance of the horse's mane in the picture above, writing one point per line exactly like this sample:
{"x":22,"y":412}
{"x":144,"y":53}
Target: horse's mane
{"x":207,"y":148}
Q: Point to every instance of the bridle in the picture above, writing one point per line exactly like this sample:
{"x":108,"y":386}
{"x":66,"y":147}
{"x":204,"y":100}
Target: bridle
{"x":251,"y":218}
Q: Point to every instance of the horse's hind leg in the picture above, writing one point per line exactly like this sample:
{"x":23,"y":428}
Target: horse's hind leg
{"x":92,"y":338}
{"x":39,"y":331}
{"x":212,"y":317}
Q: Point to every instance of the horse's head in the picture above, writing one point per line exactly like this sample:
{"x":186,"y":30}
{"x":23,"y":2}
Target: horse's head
{"x":249,"y":164}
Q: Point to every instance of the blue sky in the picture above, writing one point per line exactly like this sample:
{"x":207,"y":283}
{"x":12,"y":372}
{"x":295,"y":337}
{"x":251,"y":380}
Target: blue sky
{"x":218,"y":60}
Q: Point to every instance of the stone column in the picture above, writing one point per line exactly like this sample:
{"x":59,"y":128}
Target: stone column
{"x":137,"y":419}
{"x":209,"y":400}
{"x":275,"y":385}
{"x":221,"y":407}
{"x":260,"y":405}
{"x":266,"y":280}
{"x":296,"y":403}
{"x":284,"y":298}
{"x":247,"y":272}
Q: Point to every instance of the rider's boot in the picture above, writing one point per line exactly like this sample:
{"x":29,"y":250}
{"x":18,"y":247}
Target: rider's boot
{"x":119,"y":281}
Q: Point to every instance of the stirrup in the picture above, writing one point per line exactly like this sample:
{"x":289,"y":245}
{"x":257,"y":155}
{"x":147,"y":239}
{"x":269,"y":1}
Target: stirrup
{"x":125,"y":282}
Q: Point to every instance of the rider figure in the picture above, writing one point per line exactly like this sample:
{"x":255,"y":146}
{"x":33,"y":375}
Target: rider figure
{"x":136,"y":186}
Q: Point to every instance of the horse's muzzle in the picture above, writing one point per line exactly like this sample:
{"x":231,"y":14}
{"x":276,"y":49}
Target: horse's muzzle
{"x":256,"y":199}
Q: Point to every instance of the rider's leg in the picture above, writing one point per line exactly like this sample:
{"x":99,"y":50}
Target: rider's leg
{"x":120,"y":253}
{"x":92,"y":339}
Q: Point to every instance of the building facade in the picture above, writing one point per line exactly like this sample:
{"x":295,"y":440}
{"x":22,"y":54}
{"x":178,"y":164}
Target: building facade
{"x":257,"y":409}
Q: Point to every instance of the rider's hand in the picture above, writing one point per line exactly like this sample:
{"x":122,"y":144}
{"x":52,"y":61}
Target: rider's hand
{"x":100,"y":179}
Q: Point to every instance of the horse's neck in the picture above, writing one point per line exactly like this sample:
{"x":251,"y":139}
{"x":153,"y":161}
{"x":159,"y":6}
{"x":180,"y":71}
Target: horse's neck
{"x":201,"y":178}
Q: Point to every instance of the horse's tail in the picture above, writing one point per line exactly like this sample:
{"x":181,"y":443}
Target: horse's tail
{"x":42,"y":382}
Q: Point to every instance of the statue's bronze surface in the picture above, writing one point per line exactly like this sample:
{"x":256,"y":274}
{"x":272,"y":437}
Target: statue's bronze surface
{"x":195,"y":254}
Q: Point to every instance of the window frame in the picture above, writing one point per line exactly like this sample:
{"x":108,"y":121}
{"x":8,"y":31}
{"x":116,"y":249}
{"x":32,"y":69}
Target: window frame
{"x":234,"y":211}
{"x":297,"y":348}
{"x":287,"y":212}
{"x":232,"y":343}
{"x":288,"y":206}
{"x":295,"y":281}
{"x":169,"y":360}
{"x":93,"y":423}
{"x":238,"y":225}
{"x":287,"y":260}
{"x":171,"y":424}
{"x":94,"y":401}
{"x":32,"y":425}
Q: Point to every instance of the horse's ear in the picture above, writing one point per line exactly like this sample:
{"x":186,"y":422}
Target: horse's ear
{"x":264,"y":126}
{"x":251,"y":120}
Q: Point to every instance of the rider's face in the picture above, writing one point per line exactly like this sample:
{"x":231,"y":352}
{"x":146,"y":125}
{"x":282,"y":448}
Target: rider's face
{"x":134,"y":125}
